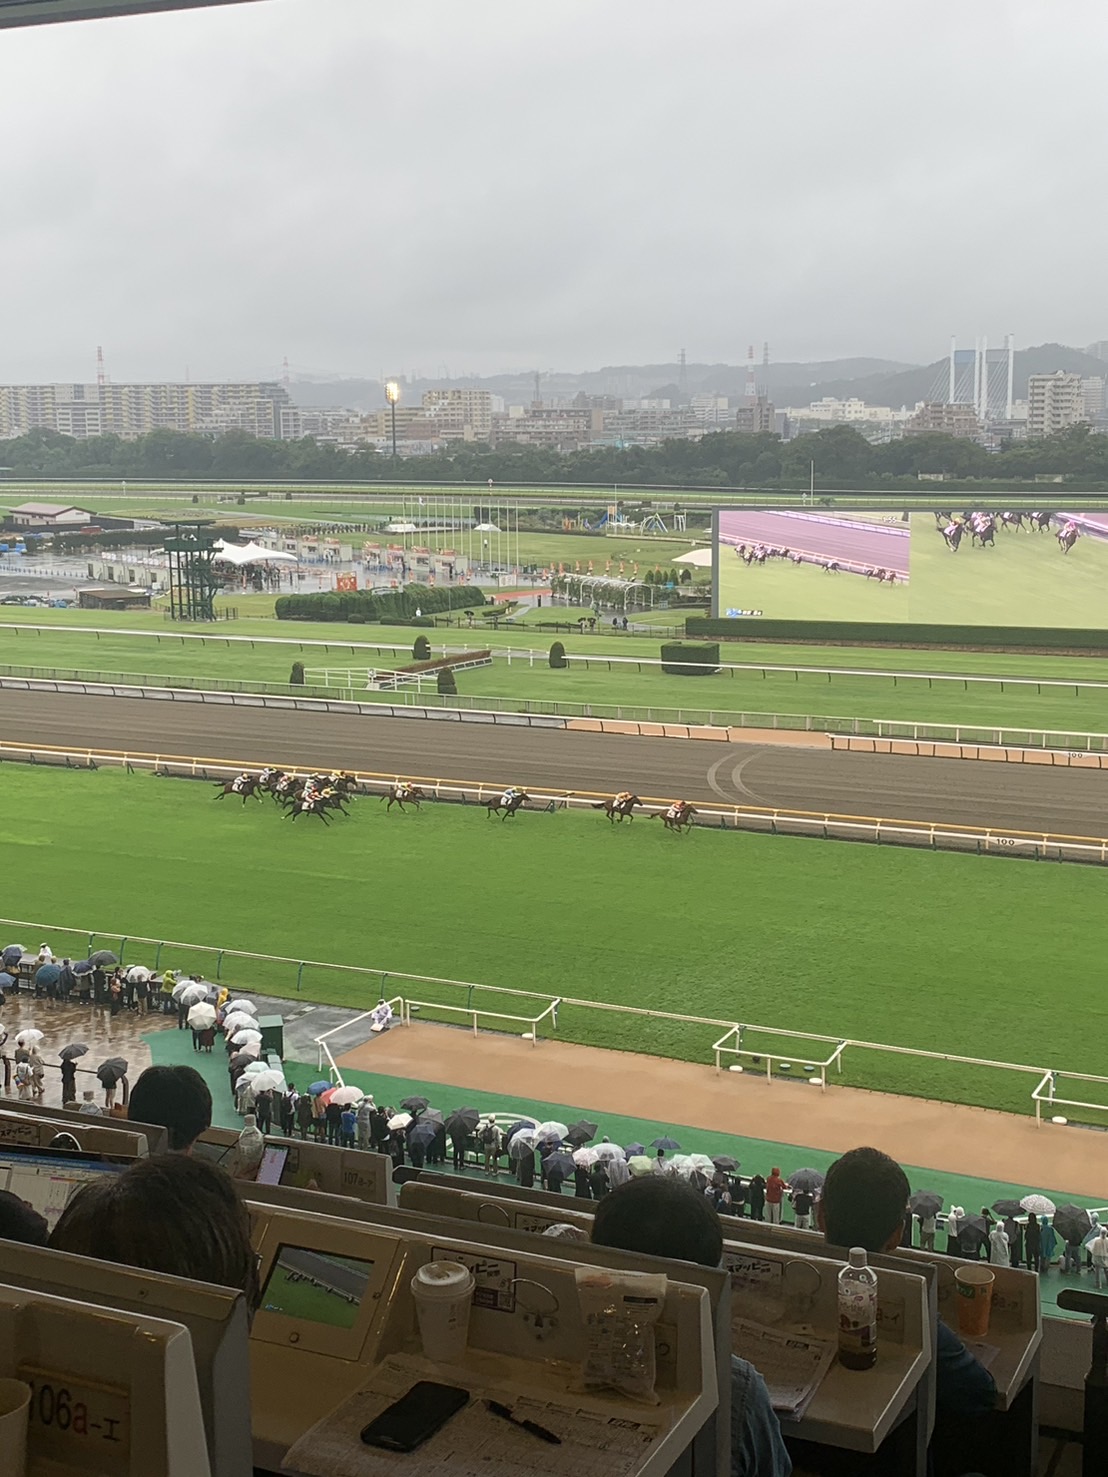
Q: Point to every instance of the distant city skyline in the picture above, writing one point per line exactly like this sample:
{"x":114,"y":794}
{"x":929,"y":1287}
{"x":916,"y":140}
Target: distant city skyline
{"x":554,"y":185}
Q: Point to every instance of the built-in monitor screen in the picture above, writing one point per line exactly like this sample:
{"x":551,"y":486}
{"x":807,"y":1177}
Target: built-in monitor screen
{"x":46,"y":1181}
{"x":316,"y":1287}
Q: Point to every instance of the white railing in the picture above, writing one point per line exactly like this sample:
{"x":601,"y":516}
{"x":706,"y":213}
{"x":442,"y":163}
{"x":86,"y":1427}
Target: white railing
{"x":325,"y":1050}
{"x":1046,"y":1096}
{"x":475,"y":1014}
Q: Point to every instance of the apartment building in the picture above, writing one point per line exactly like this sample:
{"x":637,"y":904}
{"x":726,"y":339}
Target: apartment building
{"x":1054,"y":401}
{"x":558,"y":430}
{"x":937,"y":418}
{"x":131,"y":410}
{"x":460,"y":414}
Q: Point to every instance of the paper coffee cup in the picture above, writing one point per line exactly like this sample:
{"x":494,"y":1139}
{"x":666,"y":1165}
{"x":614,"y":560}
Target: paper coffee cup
{"x":975,"y":1296}
{"x":15,"y":1405}
{"x":442,"y":1293}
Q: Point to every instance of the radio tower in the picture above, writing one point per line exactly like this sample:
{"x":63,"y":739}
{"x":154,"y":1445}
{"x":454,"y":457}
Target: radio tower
{"x":765,"y":369}
{"x":751,"y":378}
{"x":101,"y":376}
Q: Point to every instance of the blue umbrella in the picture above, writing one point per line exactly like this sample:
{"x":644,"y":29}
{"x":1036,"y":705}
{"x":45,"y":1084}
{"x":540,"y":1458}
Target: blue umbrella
{"x":318,"y":1087}
{"x":667,"y":1145}
{"x":6,"y":981}
{"x":85,"y":966}
{"x":634,"y":1149}
{"x":12,"y":954}
{"x":47,"y":974}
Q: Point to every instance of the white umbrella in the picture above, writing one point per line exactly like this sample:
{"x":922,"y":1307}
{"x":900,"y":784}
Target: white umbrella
{"x":247,"y":1005}
{"x":347,"y":1096}
{"x":551,"y":1130}
{"x":585,"y":1158}
{"x":400,"y":1120}
{"x":139,"y":974}
{"x":264,"y":1081}
{"x":609,"y":1151}
{"x":29,"y":1037}
{"x":238,"y":1022}
{"x":640,"y":1165}
{"x":247,"y":1038}
{"x":701,"y":1162}
{"x":679,"y":1164}
{"x":193,"y":994}
{"x":202,"y":1016}
{"x":1033,"y":1204}
{"x":252,"y":1048}
{"x":179,"y":990}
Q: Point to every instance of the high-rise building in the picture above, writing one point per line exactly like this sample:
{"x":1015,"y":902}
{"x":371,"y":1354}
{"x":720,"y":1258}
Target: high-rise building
{"x":756,"y":413}
{"x":460,"y":413}
{"x":936,"y":417}
{"x":131,"y":410}
{"x":1054,"y":401}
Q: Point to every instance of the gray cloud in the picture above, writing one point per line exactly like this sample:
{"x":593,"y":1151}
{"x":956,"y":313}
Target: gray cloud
{"x":368,"y":188}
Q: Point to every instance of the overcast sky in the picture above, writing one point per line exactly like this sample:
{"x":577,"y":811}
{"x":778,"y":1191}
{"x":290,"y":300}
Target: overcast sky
{"x":375,"y":188}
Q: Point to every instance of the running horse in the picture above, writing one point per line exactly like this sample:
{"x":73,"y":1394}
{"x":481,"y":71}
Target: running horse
{"x":619,"y":807}
{"x":1067,"y":537}
{"x":678,"y":817}
{"x":509,"y":802}
{"x":403,"y":794}
{"x":246,"y":785}
{"x":952,"y":534}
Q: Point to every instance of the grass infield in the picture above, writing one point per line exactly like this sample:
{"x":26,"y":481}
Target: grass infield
{"x":1000,"y":959}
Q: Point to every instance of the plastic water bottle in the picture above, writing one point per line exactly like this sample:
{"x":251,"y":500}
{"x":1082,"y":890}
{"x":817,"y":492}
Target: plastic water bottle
{"x":247,"y":1151}
{"x":857,"y":1312}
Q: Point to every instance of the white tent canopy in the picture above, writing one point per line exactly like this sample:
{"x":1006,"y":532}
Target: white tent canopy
{"x":252,"y":553}
{"x":702,"y":558}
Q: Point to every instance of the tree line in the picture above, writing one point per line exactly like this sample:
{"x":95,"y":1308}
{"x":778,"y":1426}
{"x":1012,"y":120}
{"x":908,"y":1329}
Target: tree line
{"x":843,"y":458}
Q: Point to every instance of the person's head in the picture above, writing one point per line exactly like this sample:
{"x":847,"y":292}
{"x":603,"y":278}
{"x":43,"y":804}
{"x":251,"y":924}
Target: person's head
{"x":775,"y":1172}
{"x":19,"y":1222}
{"x":864,"y":1200}
{"x":178,"y":1098}
{"x":659,"y":1216}
{"x":167,"y":1213}
{"x":87,"y":1094}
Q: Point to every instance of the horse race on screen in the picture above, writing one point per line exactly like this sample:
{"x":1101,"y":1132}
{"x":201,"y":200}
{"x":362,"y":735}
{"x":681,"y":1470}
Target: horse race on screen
{"x":955,"y":565}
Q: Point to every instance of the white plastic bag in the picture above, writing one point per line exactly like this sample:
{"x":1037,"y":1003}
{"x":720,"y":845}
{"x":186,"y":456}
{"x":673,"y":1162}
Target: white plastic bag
{"x":618,"y":1311}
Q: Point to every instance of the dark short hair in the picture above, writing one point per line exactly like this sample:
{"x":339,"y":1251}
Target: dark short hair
{"x":865,"y":1198}
{"x":20,"y":1221}
{"x":660,"y":1217}
{"x":178,"y":1098}
{"x":167,"y":1213}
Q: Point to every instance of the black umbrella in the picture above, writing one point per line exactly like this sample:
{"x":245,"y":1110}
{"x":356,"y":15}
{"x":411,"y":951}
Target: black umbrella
{"x":725,"y":1162}
{"x":84,"y":966}
{"x":12,"y":954}
{"x":6,"y":980}
{"x":630,"y":1149}
{"x":925,"y":1203}
{"x":1071,"y":1222}
{"x":1007,"y":1207}
{"x":47,"y":974}
{"x":558,"y":1162}
{"x":462,"y":1122}
{"x":670,"y":1146}
{"x":973,"y":1232}
{"x":414,"y":1104}
{"x":422,"y":1133}
{"x":112,"y":1070}
{"x":806,"y":1180}
{"x":514,"y":1128}
{"x":431,"y":1115}
{"x":581,"y":1132}
{"x":71,"y":1053}
{"x":104,"y":957}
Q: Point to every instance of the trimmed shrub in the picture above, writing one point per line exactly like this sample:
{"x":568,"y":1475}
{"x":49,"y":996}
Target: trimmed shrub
{"x":421,"y":620}
{"x":686,"y":659}
{"x":686,"y":575}
{"x":901,"y":634}
{"x":421,"y":650}
{"x":557,"y":657}
{"x":378,"y":605}
{"x":356,"y":620}
{"x":296,"y":676}
{"x":445,"y":682}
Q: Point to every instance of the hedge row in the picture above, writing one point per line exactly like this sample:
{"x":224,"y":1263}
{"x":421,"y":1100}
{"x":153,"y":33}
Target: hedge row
{"x":684,"y":659}
{"x":889,"y":633}
{"x":378,"y":605}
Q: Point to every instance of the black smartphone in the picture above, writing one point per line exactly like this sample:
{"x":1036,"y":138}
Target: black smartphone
{"x":415,"y":1417}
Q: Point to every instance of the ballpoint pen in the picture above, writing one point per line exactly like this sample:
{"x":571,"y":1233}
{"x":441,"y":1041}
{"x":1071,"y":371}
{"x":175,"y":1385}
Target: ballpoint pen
{"x":533,"y":1427}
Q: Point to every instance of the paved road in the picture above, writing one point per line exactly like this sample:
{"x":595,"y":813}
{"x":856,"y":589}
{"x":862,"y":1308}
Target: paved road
{"x":1031,"y":798}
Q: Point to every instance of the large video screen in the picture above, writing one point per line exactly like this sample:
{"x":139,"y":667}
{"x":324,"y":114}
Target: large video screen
{"x":954,"y":566}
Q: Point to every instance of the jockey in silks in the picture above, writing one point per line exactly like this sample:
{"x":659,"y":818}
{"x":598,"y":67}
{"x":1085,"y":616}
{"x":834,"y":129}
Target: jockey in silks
{"x":268,"y":773}
{"x":510,"y":794}
{"x":240,"y":782}
{"x":952,"y":528}
{"x":624,"y":797}
{"x":403,"y":789}
{"x":1070,"y":527}
{"x":676,"y":810}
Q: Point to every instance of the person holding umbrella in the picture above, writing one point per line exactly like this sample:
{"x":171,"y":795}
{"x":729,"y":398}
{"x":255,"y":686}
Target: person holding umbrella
{"x":1033,"y":1244}
{"x":111,"y":1073}
{"x":69,"y":1056}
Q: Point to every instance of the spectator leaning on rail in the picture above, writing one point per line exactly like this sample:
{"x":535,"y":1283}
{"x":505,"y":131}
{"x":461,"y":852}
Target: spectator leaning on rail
{"x":862,"y":1204}
{"x":659,"y":1216}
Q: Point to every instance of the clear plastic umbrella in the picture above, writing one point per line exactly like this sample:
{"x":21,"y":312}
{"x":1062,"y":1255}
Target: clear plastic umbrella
{"x":702,"y":1162}
{"x":202,"y":1016}
{"x":246,"y":1038}
{"x":252,"y":1048}
{"x":522,"y":1144}
{"x":266,"y":1080}
{"x":239,"y":1022}
{"x":245,"y":1005}
{"x":1038,"y":1205}
{"x":399,"y":1120}
{"x":680,"y":1164}
{"x":347,"y":1096}
{"x":552,"y":1130}
{"x":609,"y":1151}
{"x":193,"y":994}
{"x":31,"y":1036}
{"x":585,"y":1158}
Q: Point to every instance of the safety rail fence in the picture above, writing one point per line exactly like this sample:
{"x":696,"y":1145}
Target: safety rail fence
{"x":701,"y":722}
{"x":1007,"y":746}
{"x":778,"y":821}
{"x":774,"y":1052}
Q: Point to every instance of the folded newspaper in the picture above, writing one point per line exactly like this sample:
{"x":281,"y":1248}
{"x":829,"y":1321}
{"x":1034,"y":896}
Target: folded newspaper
{"x":792,"y":1364}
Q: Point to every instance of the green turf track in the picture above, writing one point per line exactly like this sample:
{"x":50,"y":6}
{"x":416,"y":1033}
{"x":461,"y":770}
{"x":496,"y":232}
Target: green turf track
{"x":982,"y":957}
{"x":175,"y":1048}
{"x":161,"y":658}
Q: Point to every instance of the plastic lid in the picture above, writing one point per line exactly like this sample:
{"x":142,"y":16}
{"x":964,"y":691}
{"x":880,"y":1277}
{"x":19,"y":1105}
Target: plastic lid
{"x":249,"y":1120}
{"x":858,"y":1256}
{"x":442,"y":1279}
